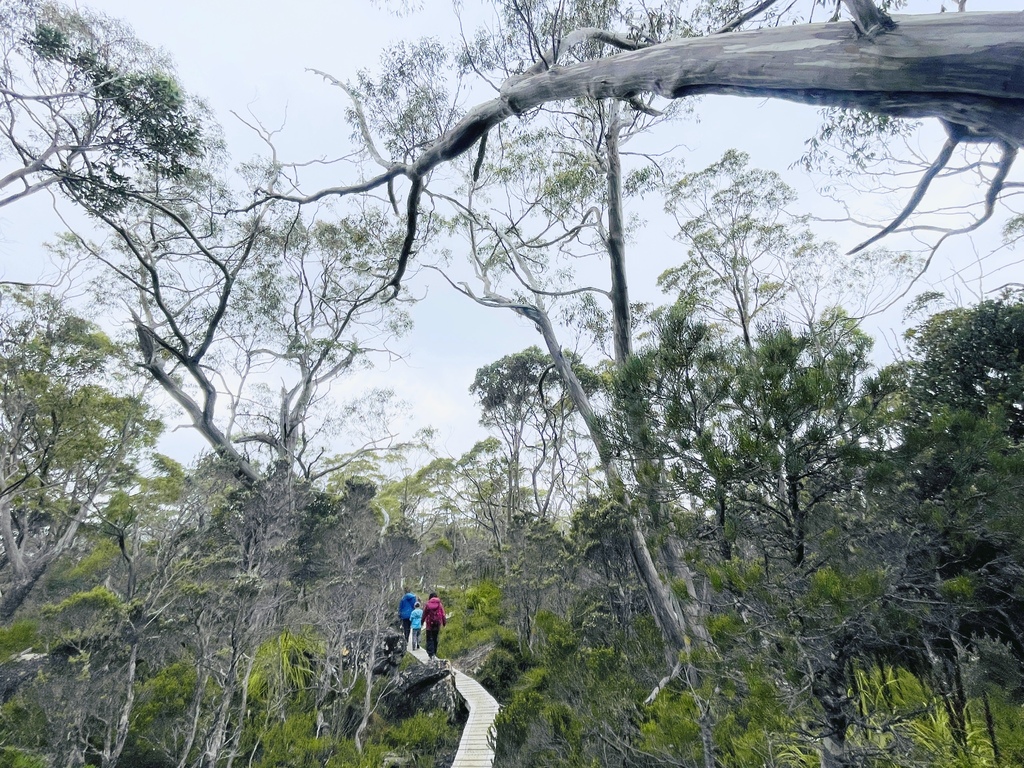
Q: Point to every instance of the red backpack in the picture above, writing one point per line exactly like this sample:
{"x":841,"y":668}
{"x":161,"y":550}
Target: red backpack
{"x":432,"y":617}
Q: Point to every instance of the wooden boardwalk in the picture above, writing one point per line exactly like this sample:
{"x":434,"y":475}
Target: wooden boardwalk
{"x":475,"y":750}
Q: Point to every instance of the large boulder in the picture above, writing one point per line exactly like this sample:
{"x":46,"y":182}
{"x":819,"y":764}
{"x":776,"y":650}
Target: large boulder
{"x":388,"y":646}
{"x":19,"y":669}
{"x":390,"y":650}
{"x":425,"y":687}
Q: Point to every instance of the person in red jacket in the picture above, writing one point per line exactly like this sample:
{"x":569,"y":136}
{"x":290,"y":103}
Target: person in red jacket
{"x":433,"y":620}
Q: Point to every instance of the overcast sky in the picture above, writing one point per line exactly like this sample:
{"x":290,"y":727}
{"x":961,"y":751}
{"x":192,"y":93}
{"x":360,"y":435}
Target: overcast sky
{"x":252,"y":55}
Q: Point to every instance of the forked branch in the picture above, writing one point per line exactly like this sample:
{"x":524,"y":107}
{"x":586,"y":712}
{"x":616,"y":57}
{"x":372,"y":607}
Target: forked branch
{"x":869,"y":19}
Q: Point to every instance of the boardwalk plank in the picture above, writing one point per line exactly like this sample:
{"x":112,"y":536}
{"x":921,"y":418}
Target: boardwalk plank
{"x":475,"y":746}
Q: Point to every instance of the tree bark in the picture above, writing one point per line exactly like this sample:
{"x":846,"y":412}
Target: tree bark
{"x":678,"y":626}
{"x":195,"y":712}
{"x":113,"y":753}
{"x":10,"y":541}
{"x":33,"y":570}
{"x":217,"y":737}
{"x":966,"y":69}
{"x":616,"y":241}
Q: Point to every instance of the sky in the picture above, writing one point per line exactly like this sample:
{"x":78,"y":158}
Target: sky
{"x":253,"y":57}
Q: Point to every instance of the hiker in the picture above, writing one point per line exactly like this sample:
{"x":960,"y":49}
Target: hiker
{"x":405,"y":606}
{"x":433,"y":620}
{"x":416,"y":621}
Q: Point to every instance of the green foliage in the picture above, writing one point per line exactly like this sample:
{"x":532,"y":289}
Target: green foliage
{"x":285,"y":667}
{"x":672,"y":727}
{"x":424,"y":734}
{"x":849,"y":141}
{"x":474,"y":618}
{"x":738,"y":576}
{"x":972,"y":360}
{"x":20,"y":636}
{"x":412,"y":495}
{"x":165,"y":695}
{"x":504,"y":666}
{"x":958,"y":589}
{"x":408,"y":102}
{"x":845,"y":593}
{"x":85,"y":617}
{"x":512,"y":386}
{"x":576,"y":691}
{"x":24,"y":722}
{"x":483,"y":604}
{"x":292,"y":743}
{"x":147,"y":117}
{"x":320,"y":519}
{"x":11,"y":757}
{"x":729,"y":220}
{"x":68,"y":574}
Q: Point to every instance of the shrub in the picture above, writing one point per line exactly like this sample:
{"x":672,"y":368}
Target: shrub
{"x":292,"y":743}
{"x":16,"y":758}
{"x":20,"y":636}
{"x":503,"y":667}
{"x":425,"y":733}
{"x":474,"y":622}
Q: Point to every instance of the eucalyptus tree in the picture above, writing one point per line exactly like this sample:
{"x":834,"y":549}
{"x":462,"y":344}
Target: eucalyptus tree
{"x":90,"y":110}
{"x":83,"y":104}
{"x":735,"y":236}
{"x":751,"y":262}
{"x":522,"y":398}
{"x":529,"y":223}
{"x":219,"y":300}
{"x":73,"y":433}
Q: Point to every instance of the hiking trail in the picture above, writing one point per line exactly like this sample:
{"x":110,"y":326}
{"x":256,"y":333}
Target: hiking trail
{"x":475,"y":750}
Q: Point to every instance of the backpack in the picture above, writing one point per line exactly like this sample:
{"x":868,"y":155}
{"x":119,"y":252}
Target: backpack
{"x":432,"y":617}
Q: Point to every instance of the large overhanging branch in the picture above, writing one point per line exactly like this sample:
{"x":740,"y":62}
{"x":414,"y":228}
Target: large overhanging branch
{"x":964,"y":69}
{"x":967,"y":69}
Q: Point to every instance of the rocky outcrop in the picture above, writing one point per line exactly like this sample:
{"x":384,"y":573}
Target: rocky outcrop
{"x":390,"y":650}
{"x":19,"y":670}
{"x":425,"y":687}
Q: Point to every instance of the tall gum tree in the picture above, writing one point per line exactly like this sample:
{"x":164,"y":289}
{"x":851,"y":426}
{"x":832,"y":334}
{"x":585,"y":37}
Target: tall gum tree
{"x":217,"y":297}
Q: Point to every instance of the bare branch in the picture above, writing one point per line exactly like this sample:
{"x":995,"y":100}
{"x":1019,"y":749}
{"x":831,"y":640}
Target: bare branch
{"x":577,"y":37}
{"x":412,"y":213}
{"x":357,"y":107}
{"x":480,"y":158}
{"x":954,"y":139}
{"x":353,"y":189}
{"x":746,"y":16}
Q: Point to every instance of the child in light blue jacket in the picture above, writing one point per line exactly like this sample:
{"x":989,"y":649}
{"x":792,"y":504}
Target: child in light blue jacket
{"x":416,"y":621}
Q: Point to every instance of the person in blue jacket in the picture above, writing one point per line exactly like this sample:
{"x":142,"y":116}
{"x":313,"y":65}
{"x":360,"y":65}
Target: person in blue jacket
{"x":405,"y":606}
{"x":417,"y":623}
